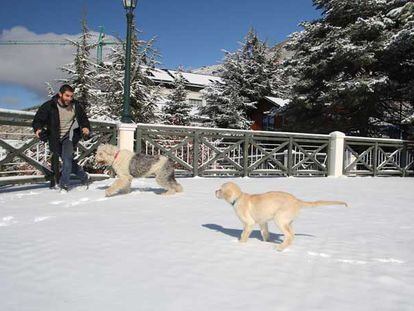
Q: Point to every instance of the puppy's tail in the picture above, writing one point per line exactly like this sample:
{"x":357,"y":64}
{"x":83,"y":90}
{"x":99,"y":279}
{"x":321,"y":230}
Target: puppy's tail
{"x":321,"y":203}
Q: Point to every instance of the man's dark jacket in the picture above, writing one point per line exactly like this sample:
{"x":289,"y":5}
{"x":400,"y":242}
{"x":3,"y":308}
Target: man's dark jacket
{"x":48,"y":117}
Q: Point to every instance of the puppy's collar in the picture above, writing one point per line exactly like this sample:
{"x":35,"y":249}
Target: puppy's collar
{"x":235,"y":201}
{"x":116,"y":154}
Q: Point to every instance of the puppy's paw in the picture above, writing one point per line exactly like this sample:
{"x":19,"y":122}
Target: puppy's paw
{"x":169,"y":192}
{"x":108,"y":193}
{"x":242,"y":240}
{"x":178,"y":188}
{"x":281,"y":247}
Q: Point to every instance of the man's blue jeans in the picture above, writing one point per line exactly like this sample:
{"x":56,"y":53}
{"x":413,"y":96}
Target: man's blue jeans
{"x":70,"y":166}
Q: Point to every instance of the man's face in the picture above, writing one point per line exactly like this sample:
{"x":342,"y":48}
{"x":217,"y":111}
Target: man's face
{"x":66,"y":97}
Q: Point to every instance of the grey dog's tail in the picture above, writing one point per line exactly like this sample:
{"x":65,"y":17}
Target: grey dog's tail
{"x":322,"y":203}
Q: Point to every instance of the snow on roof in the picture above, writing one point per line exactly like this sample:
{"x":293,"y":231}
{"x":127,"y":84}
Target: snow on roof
{"x":161,"y":75}
{"x":167,"y":76}
{"x":278,"y":101}
{"x":198,"y":79}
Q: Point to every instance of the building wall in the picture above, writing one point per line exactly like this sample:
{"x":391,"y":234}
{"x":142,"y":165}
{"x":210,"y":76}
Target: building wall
{"x":191,"y":93}
{"x":258,"y":114}
{"x":275,"y":121}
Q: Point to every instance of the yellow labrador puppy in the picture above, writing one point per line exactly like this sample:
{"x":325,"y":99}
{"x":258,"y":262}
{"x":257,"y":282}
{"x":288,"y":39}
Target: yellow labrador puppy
{"x":252,"y":209}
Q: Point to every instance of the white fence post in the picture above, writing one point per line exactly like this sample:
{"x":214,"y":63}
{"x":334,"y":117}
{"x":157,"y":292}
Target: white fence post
{"x":336,"y":154}
{"x":126,"y":134}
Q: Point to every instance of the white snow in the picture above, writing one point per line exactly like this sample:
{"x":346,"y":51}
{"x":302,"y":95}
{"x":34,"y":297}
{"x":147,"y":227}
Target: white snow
{"x":160,"y":75}
{"x":278,"y":101}
{"x":408,"y":119}
{"x":395,"y":12}
{"x":143,"y":251}
{"x":198,"y":79}
{"x":167,"y":75}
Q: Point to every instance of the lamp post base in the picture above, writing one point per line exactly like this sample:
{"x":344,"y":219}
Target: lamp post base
{"x":336,"y":154}
{"x":126,"y":135}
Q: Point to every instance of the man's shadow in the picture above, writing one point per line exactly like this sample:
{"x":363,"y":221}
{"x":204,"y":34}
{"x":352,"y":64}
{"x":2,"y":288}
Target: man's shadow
{"x":13,"y":188}
{"x":273,"y":237}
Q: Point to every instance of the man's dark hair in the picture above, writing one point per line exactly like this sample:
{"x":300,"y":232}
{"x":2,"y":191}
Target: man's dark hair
{"x":66,"y":87}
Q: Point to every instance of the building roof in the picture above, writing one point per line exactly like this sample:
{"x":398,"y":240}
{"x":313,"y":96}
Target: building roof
{"x":280,"y":102}
{"x":161,"y":75}
{"x":196,"y":78}
{"x":167,"y":76}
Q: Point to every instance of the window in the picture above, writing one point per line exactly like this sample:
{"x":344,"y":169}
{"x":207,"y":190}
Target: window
{"x":268,"y":122}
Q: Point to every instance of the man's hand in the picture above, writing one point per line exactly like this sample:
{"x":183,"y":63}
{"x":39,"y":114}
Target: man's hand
{"x":38,"y":133}
{"x":85,"y":131}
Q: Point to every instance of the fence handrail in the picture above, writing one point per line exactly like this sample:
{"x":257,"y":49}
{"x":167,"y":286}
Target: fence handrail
{"x":230,"y":131}
{"x":377,"y":139}
{"x":268,"y":133}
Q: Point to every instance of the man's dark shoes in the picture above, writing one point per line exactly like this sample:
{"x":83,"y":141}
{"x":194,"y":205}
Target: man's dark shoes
{"x":85,"y":183}
{"x":64,"y":189}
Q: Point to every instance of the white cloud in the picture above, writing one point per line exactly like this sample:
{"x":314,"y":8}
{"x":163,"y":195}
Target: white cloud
{"x":33,"y":65}
{"x":9,"y":100}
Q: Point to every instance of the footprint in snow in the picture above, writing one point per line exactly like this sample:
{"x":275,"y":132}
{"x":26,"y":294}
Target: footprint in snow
{"x":357,"y":262}
{"x":101,"y":199}
{"x":388,"y":260}
{"x":57,"y":202}
{"x":41,"y":218}
{"x":319,"y":254}
{"x":7,"y":221}
{"x":20,"y":195}
{"x":352,"y":262}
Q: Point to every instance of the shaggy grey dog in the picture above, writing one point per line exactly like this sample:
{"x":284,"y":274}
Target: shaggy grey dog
{"x":128,"y":165}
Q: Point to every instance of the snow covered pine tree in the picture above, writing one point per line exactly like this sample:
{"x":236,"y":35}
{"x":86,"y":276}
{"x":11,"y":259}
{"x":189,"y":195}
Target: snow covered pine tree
{"x":248,"y":75}
{"x":81,"y":72}
{"x":176,"y":111}
{"x":144,"y":93}
{"x":353,"y":67}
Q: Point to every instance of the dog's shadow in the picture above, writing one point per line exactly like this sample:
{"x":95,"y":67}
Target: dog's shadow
{"x":139,"y":189}
{"x":273,"y":237}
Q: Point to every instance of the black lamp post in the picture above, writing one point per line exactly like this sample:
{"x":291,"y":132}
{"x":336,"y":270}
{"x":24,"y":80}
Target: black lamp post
{"x":129,"y":6}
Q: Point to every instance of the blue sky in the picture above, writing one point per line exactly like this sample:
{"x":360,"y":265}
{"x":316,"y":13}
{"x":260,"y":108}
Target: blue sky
{"x":190,"y":33}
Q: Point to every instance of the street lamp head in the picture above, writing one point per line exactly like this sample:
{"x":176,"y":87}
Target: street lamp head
{"x":130,"y":4}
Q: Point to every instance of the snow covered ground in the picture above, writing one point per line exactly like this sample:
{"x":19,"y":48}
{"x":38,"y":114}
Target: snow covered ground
{"x":142,"y":251}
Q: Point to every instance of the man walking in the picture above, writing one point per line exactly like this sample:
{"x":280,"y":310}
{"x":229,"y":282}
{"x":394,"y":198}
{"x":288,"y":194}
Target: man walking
{"x":62,"y":121}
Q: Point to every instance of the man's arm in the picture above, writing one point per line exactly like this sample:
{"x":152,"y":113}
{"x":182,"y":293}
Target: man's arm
{"x":40,"y":120}
{"x":83,"y":121}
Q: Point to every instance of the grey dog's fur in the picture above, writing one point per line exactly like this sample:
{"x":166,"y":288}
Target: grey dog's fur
{"x":141,"y":164}
{"x":128,"y":165}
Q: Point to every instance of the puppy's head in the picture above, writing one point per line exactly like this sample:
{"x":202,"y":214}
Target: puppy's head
{"x":228,"y":191}
{"x":105,"y":154}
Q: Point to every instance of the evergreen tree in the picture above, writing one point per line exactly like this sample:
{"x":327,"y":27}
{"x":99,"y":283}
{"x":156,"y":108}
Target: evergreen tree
{"x":82,"y":71}
{"x":224,"y":108}
{"x":353,"y":67}
{"x":101,"y":86}
{"x":144,"y":94}
{"x":50,"y":90}
{"x":176,"y":110}
{"x":248,"y":75}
